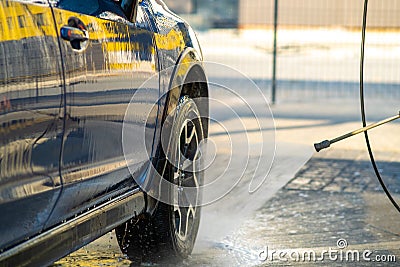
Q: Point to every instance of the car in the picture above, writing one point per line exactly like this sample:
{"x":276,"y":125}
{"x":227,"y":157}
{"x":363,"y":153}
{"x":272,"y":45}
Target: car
{"x":88,"y":92}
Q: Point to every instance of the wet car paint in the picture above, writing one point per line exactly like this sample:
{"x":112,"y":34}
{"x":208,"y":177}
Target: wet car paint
{"x":30,"y":119}
{"x":62,"y":110}
{"x":100,"y":83}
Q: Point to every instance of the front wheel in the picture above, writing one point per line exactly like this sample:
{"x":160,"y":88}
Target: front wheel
{"x":169,"y":234}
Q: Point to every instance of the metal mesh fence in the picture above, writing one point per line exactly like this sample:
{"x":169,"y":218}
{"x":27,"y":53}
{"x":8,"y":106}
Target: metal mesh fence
{"x":318,"y":44}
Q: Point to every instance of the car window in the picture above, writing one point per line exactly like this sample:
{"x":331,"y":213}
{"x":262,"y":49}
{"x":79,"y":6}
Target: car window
{"x":129,"y":8}
{"x":86,"y":7}
{"x":91,"y":7}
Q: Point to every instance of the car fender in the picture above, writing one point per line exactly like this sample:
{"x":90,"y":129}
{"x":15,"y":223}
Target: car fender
{"x":189,"y":69}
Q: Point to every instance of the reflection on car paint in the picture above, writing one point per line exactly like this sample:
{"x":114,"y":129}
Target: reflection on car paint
{"x":100,"y":83}
{"x":30,"y":124}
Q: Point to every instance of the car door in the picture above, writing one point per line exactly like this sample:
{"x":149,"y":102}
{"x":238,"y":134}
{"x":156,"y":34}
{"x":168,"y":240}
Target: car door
{"x":31,"y":119}
{"x":108,"y":53}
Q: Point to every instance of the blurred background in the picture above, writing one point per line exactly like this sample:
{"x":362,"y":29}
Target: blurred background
{"x":315,"y":66}
{"x":311,"y":78}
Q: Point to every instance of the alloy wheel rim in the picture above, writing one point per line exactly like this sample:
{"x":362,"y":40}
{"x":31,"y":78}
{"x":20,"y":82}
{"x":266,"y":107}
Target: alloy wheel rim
{"x":185,"y":177}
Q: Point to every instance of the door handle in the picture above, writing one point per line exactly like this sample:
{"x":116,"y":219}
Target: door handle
{"x":73,"y":34}
{"x":76,"y":33}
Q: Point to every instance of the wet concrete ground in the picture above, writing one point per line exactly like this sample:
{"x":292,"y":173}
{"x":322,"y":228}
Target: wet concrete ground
{"x":335,"y":196}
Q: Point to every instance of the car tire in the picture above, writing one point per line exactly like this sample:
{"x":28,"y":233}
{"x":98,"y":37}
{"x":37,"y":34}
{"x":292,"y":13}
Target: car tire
{"x":169,"y":233}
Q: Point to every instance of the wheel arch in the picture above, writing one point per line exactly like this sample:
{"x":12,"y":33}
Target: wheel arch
{"x":188,"y":78}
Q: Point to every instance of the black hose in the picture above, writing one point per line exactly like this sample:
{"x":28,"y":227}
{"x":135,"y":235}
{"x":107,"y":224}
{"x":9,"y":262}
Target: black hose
{"x":371,"y":155}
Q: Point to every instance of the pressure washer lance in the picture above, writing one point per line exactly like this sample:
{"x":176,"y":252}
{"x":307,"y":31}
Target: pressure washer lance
{"x":328,"y":143}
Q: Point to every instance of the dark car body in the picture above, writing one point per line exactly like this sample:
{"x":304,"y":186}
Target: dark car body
{"x":68,"y":71}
